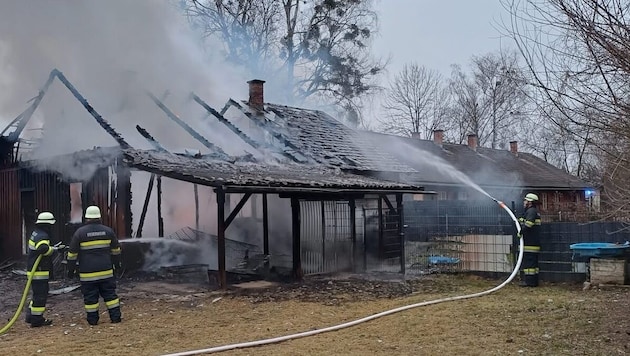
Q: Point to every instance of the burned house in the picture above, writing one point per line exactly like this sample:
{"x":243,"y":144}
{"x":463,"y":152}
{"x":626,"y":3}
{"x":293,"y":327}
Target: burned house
{"x":332,"y":208}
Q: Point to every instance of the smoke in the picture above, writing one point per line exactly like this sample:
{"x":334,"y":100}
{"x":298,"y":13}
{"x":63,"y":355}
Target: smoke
{"x":113,"y":52}
{"x":434,"y":170}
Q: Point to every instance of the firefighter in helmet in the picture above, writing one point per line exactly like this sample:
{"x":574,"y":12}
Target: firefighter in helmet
{"x":97,"y":250}
{"x":39,"y":244}
{"x":530,"y":233}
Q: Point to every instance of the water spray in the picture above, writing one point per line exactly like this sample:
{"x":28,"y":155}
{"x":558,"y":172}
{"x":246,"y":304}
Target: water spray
{"x":375,"y":316}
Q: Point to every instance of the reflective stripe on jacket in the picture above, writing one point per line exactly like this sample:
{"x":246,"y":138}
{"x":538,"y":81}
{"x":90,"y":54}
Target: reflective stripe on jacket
{"x":93,"y":246}
{"x":39,"y":244}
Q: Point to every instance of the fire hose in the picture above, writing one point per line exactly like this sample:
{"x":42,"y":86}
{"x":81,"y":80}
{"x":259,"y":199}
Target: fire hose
{"x":371,"y":317}
{"x":29,"y":279}
{"x":24,"y":295}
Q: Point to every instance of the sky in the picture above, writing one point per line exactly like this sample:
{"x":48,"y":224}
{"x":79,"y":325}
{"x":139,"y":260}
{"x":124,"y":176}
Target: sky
{"x":437,"y":33}
{"x":432,"y":33}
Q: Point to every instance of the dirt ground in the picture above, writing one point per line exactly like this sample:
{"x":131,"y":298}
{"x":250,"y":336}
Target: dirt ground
{"x":161,"y":317}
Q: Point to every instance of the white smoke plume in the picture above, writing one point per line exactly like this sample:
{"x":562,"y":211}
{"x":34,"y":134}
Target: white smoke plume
{"x":112,"y":51}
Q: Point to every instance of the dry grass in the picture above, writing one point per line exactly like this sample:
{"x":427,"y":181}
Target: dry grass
{"x":159,"y":319}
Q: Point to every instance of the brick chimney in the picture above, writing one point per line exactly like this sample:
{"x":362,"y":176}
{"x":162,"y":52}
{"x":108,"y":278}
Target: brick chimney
{"x":514,"y":147}
{"x":415,"y":135}
{"x":438,"y":137}
{"x":472,"y":142}
{"x":256,"y":94}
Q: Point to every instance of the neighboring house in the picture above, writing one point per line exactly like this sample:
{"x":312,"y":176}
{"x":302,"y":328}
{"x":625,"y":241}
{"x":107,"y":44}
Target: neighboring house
{"x":505,"y":175}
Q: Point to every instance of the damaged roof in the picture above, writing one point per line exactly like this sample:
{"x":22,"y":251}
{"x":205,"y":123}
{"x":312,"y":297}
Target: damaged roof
{"x":486,"y":167}
{"x":205,"y":170}
{"x":323,"y":154}
{"x":263,"y":177}
{"x":329,"y":142}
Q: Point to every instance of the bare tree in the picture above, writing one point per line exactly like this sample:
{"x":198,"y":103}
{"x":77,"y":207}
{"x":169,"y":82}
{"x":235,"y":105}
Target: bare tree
{"x":415,"y":102}
{"x":578,"y":55}
{"x":489,"y":101}
{"x":319,"y":49}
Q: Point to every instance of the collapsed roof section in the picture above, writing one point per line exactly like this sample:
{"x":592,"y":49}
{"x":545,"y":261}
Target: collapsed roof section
{"x":320,"y":138}
{"x":303,"y":166}
{"x":255,"y":177}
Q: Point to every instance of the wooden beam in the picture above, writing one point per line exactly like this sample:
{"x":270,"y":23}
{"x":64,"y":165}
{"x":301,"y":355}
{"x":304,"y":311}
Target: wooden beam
{"x":265,"y":213}
{"x":390,"y":206}
{"x":237,"y":209}
{"x":196,"y":191}
{"x":221,"y":237}
{"x":323,"y":217}
{"x":353,"y":231}
{"x":159,"y":207}
{"x":297,"y":249}
{"x":143,"y":215}
{"x":381,"y":228}
{"x":401,"y":231}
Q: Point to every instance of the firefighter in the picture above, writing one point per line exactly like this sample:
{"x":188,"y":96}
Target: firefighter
{"x":97,"y":250}
{"x":530,"y":233}
{"x":39,"y":244}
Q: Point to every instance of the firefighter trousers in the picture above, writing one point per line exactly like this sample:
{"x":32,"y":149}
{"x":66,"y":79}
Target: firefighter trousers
{"x":529,"y":269}
{"x":106,"y":289}
{"x":37,"y":305}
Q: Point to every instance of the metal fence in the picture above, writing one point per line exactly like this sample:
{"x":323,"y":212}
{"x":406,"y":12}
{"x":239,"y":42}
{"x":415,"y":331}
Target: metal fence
{"x":454,"y":236}
{"x":326,"y":233}
{"x":457,"y":236}
{"x":329,"y":243}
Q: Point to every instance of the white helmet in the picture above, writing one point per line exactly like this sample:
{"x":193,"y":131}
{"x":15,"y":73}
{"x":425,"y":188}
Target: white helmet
{"x":92,"y":212}
{"x":45,"y":218}
{"x":531,"y":197}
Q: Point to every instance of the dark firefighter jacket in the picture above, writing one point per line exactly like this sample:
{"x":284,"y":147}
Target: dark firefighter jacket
{"x":39,"y":244}
{"x":95,"y":247}
{"x":531,"y":229}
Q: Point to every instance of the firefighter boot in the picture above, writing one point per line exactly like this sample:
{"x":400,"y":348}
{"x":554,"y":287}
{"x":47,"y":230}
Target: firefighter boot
{"x":40,"y":322}
{"x":115,"y":315}
{"x":92,"y":318}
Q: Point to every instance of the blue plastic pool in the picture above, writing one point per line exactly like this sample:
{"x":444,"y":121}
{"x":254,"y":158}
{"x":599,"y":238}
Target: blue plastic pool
{"x":599,"y":249}
{"x":443,"y":260}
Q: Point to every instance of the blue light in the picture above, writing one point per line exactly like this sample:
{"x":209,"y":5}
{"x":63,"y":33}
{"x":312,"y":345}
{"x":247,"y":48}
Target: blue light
{"x":589,"y":192}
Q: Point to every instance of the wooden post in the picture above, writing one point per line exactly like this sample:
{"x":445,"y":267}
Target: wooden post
{"x":123,"y":200}
{"x":323,"y":217}
{"x":297,"y":249}
{"x":159,"y":207}
{"x":353,"y":231}
{"x":401,"y":231}
{"x":143,"y":215}
{"x":221,"y":237}
{"x":381,"y":229}
{"x":196,"y":190}
{"x":265,"y":225}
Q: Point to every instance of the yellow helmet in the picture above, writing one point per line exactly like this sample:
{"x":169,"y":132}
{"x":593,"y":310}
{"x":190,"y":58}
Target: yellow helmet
{"x":531,"y":197}
{"x":92,"y":212}
{"x":45,"y":218}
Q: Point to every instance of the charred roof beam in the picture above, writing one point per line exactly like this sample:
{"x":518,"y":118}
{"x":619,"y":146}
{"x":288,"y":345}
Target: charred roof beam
{"x":189,"y":129}
{"x":151,"y":139}
{"x":225,"y":121}
{"x":19,"y":123}
{"x":104,"y":124}
{"x":283,"y":140}
{"x":236,"y":130}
